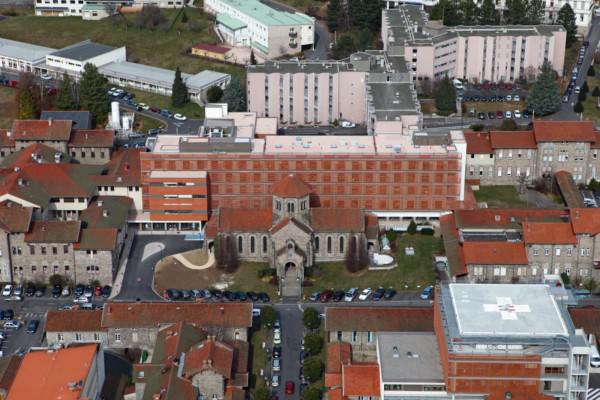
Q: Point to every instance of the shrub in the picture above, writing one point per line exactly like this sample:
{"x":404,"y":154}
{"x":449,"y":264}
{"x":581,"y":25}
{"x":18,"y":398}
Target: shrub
{"x":412,"y":228}
{"x":313,"y":343}
{"x":268,"y":315}
{"x":55,"y":279}
{"x":476,"y":127}
{"x":311,"y":319}
{"x":428,"y":231}
{"x":313,"y":369}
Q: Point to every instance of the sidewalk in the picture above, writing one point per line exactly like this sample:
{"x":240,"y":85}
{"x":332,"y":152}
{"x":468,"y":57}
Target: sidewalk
{"x":118,"y":283}
{"x":209,"y":263}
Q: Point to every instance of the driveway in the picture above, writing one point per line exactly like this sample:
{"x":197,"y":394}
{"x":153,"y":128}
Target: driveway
{"x":146,"y":251}
{"x":190,"y":126}
{"x":322,"y":42}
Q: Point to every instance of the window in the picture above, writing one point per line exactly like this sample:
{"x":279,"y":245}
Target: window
{"x":31,"y":249}
{"x":536,"y":251}
{"x":547,"y":251}
{"x":341,"y":244}
{"x":557,"y":252}
{"x":264,"y":244}
{"x":61,"y":337}
{"x":499,"y":171}
{"x":43,"y":249}
{"x":252,"y":244}
{"x":317,"y":243}
{"x":354,"y":336}
{"x":369,"y":337}
{"x":329,"y":245}
{"x":54,"y":250}
{"x":65,"y":248}
{"x":569,"y":251}
{"x":240,"y":244}
{"x":77,"y":336}
{"x":96,"y":337}
{"x":117,"y":337}
{"x":290,"y":207}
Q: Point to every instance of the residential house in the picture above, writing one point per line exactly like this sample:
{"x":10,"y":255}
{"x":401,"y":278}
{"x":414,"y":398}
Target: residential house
{"x":67,"y":327}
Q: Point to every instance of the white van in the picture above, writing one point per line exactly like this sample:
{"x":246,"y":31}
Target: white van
{"x":458,"y":85}
{"x":595,"y":357}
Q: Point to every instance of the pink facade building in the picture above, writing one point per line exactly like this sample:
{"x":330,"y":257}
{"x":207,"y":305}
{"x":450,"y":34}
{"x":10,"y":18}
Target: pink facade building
{"x":477,"y":53}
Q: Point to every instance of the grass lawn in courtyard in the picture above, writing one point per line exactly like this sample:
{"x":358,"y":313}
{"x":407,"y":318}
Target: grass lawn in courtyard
{"x":590,"y":105}
{"x":500,"y":197}
{"x":8,"y":106}
{"x":164,"y":47}
{"x":258,"y":358}
{"x":412,"y":271}
{"x":143,"y":123}
{"x":169,"y":273}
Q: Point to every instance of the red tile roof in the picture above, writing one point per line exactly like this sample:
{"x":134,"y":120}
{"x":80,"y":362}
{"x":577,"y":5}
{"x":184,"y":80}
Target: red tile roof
{"x":97,"y":239}
{"x":152,"y":314}
{"x":41,"y":130}
{"x":585,"y":220}
{"x":209,"y":355}
{"x":211,"y":47}
{"x":564,"y":131}
{"x":452,"y":247}
{"x":478,"y":143}
{"x":494,"y":253}
{"x":53,"y":372}
{"x":335,"y":394}
{"x":337,"y":219}
{"x":6,"y":140}
{"x":338,"y":353}
{"x":360,"y":380}
{"x":53,"y":232}
{"x":485,"y":217}
{"x":123,"y":169}
{"x":291,"y":186}
{"x":513,"y":140}
{"x":74,"y":321}
{"x":92,"y":138}
{"x":548,"y":233}
{"x":245,"y":220}
{"x":379,"y":319}
{"x":14,"y":218}
{"x":285,"y":221}
{"x":586,"y":318}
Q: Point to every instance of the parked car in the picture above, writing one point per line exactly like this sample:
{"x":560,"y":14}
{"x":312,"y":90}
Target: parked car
{"x":166,"y":113}
{"x":365,"y":294}
{"x":29,"y":291}
{"x":98,"y":290}
{"x":314,"y":296}
{"x":186,"y":295}
{"x":39,"y":292}
{"x":155,"y":110}
{"x":275,"y":380}
{"x":276,"y":364}
{"x":78,"y":290}
{"x":481,"y":115}
{"x":18,"y":291}
{"x":289,"y":388}
{"x":347,"y":124}
{"x":81,"y":299}
{"x":144,"y":106}
{"x":13,"y":298}
{"x":242,"y":296}
{"x":491,"y":115}
{"x":508,"y":97}
{"x":338,"y":295}
{"x":253,"y":296}
{"x":517,"y":114}
{"x":301,"y":360}
{"x":56,"y":291}
{"x":12,"y":324}
{"x":426,"y":293}
{"x":180,"y":117}
{"x":277,"y":337}
{"x":263,"y":297}
{"x":88,"y":291}
{"x":350,"y":294}
{"x":8,"y":314}
{"x":499,"y":114}
{"x":507,"y":114}
{"x":389,"y":294}
{"x":66,"y":291}
{"x":326,"y":296}
{"x":577,"y":89}
{"x":106,"y":291}
{"x":277,"y":351}
{"x":32,"y":326}
{"x":7,"y":290}
{"x":516,"y":97}
{"x":378,"y":294}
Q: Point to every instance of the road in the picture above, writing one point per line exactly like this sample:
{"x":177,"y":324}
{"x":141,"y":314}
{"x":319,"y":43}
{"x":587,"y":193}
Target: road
{"x":322,"y":43}
{"x":566,"y":110}
{"x":323,"y":130}
{"x":145,"y":252}
{"x":190,"y":126}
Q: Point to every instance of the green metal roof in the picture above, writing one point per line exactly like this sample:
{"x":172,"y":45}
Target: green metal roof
{"x":230,"y":22}
{"x":260,"y":47}
{"x":268,"y":15}
{"x":93,"y":7}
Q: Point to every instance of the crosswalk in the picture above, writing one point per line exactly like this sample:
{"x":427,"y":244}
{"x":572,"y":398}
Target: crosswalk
{"x":30,"y":315}
{"x":593,"y":394}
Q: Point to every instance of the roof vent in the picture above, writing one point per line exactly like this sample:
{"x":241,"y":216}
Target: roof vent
{"x":17,"y":169}
{"x":141,"y":374}
{"x":497,"y":218}
{"x":99,"y":203}
{"x":105,"y":213}
{"x":395,"y":352}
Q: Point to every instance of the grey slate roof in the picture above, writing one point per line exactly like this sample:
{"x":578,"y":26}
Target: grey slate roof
{"x":81,"y":119}
{"x":83,"y":50}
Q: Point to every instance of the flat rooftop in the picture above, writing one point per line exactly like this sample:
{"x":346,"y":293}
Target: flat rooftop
{"x":280,"y":144}
{"x":409,"y":357}
{"x":506,"y":310}
{"x":23,"y":51}
{"x":267,"y":14}
{"x":83,"y":51}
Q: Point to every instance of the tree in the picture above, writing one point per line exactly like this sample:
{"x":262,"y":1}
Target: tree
{"x":508,"y":125}
{"x":363,"y":253}
{"x":261,"y":393}
{"x":591,"y":71}
{"x":412,"y":228}
{"x":311,"y":319}
{"x":535,"y":11}
{"x":445,"y":97}
{"x":92,"y":92}
{"x":235,"y":95}
{"x":545,"y":96}
{"x":590,"y":285}
{"x":365,"y":14}
{"x":151,"y":17}
{"x":363,"y":39}
{"x":214,"y":94}
{"x":27,"y":104}
{"x":351,"y":257}
{"x":65,"y":99}
{"x":333,"y":15}
{"x":469,"y":12}
{"x":581,"y":96}
{"x":344,"y":46}
{"x":268,"y":315}
{"x":451,"y":15}
{"x":226,"y":253}
{"x":437,"y":12}
{"x":313,"y":369}
{"x":56,"y":279}
{"x":596,"y":91}
{"x":487,"y":13}
{"x":184,"y":17}
{"x":252,"y":58}
{"x":585,"y":88}
{"x":578,"y":108}
{"x":313,"y":343}
{"x":517,"y":12}
{"x":565,"y":278}
{"x":566,"y":18}
{"x":311,"y":393}
{"x":179,"y":95}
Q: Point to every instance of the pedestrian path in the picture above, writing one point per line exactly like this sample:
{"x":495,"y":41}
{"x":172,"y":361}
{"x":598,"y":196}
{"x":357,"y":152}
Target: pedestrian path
{"x":593,"y":394}
{"x":209,"y":263}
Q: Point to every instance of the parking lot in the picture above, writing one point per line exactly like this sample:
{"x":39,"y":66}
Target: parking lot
{"x":494,"y":101}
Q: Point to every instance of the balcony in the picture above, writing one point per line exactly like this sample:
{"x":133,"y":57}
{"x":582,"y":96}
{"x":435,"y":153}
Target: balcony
{"x":293,"y":45}
{"x":293,"y":34}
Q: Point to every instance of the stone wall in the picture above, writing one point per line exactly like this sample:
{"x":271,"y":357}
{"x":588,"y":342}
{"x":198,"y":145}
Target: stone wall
{"x":91,"y":265}
{"x":68,"y":338}
{"x":210,"y":384}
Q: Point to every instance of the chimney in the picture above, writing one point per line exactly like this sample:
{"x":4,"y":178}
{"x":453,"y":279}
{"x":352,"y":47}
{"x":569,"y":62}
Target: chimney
{"x":8,"y":133}
{"x":99,"y":203}
{"x":50,"y":121}
{"x":577,"y":214}
{"x":105,"y":213}
{"x":209,"y":362}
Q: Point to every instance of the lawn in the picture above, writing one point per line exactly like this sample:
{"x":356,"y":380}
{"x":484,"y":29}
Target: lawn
{"x":143,"y":123}
{"x":8,"y":107}
{"x":163,"y":47}
{"x":246,"y":279}
{"x":500,"y":197}
{"x":485,"y":106}
{"x":411,"y":273}
{"x":590,"y":105}
{"x":190,"y":110}
{"x":258,"y":358}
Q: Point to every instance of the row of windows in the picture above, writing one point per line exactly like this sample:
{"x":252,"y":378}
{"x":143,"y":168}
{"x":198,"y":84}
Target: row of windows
{"x":523,"y":271}
{"x":55,"y":269}
{"x":43,"y":249}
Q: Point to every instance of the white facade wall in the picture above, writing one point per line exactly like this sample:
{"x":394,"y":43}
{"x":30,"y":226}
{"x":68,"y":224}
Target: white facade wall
{"x":116,"y":55}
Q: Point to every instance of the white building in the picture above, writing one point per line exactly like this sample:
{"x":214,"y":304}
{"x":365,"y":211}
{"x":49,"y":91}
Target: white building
{"x":18,"y":56}
{"x":269,"y":31}
{"x":72,"y":59}
{"x":584,"y":9}
{"x":94,"y":9}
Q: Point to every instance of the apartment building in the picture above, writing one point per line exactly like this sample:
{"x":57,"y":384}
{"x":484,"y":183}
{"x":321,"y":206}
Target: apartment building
{"x":505,"y":158}
{"x":94,"y":9}
{"x":584,"y":10}
{"x":270,"y":31}
{"x":410,"y":175}
{"x":519,"y":245}
{"x":477,"y":53}
{"x":370,"y":88}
